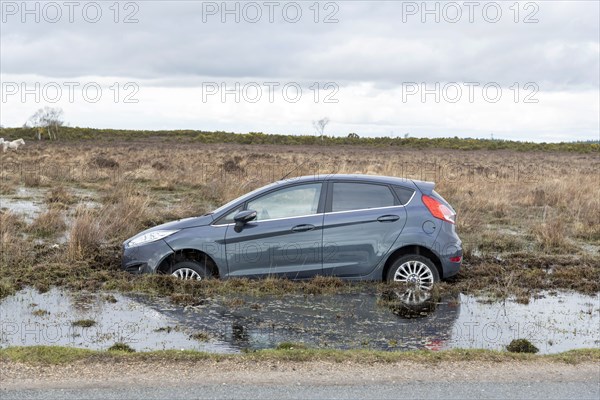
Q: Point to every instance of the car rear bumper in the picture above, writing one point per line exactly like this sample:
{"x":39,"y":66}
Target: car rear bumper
{"x":451,"y":259}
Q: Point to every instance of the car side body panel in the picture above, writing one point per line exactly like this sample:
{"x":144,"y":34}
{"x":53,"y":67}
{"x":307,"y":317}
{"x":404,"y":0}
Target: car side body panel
{"x":354,"y":242}
{"x":289,"y":247}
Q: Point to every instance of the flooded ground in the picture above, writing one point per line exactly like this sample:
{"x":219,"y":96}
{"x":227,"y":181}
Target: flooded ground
{"x":28,"y":202}
{"x":394,"y":321}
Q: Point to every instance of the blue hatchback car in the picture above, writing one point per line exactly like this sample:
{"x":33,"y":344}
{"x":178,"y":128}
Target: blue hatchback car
{"x":358,"y":227}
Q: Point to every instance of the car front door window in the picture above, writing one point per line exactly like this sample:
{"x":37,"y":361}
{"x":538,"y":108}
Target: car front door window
{"x":286,"y":203}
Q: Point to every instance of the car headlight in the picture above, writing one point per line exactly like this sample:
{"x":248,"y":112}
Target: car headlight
{"x":150,"y":237}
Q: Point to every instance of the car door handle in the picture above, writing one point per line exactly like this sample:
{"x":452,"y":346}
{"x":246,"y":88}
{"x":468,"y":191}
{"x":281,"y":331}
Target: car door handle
{"x":303,"y":228}
{"x":388,"y":218}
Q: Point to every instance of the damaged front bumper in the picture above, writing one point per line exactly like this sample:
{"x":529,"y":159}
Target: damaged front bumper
{"x":145,"y":258}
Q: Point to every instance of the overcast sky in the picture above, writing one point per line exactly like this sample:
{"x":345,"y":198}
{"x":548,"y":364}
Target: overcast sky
{"x":526,"y":71}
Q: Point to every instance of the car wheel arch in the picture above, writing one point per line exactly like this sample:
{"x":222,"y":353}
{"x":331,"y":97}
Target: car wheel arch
{"x":412,"y":249}
{"x":191,"y":255}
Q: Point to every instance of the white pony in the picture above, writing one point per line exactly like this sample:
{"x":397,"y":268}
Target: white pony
{"x":14,"y":145}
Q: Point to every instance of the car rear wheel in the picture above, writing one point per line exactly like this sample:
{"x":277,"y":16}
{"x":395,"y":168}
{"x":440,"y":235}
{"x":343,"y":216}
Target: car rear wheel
{"x":414,"y":270}
{"x":190,"y":270}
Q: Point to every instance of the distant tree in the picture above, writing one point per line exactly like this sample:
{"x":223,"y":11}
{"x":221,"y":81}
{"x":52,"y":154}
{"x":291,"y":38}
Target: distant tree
{"x":353,"y":136}
{"x":320,"y":126}
{"x":406,"y":135}
{"x":47,"y":119}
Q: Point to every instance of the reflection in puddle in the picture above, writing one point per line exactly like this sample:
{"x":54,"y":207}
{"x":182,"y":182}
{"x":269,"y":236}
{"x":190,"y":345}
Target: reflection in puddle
{"x":409,"y":303}
{"x":393,"y":320}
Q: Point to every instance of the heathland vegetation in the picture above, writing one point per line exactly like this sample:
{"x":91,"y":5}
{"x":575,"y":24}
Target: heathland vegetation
{"x":528,"y":219}
{"x":258,"y":138}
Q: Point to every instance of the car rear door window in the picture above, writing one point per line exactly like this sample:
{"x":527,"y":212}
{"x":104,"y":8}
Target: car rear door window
{"x":359,"y":196}
{"x":404,"y":194}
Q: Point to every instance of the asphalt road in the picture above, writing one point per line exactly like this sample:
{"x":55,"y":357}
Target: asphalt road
{"x":416,"y":390}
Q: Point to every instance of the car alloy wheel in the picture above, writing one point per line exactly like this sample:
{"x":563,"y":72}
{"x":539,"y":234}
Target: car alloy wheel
{"x":186,"y":274}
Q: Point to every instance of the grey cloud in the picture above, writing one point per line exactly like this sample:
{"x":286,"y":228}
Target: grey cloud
{"x":369,"y":44}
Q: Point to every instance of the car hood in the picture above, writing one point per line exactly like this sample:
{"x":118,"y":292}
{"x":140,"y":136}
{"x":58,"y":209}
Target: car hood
{"x":178,"y":224}
{"x":186,"y":223}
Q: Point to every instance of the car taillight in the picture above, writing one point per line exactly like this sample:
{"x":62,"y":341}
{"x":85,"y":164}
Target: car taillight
{"x":438,"y":210}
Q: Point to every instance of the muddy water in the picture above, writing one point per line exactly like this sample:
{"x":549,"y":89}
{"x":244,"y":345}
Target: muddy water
{"x":554,"y":323}
{"x":29,"y":202}
{"x":26,"y":201}
{"x":30,"y":318}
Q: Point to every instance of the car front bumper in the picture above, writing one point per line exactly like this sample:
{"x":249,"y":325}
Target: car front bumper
{"x":145,"y":258}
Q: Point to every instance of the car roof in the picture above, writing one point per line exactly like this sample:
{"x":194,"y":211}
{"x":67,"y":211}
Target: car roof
{"x":354,"y":177}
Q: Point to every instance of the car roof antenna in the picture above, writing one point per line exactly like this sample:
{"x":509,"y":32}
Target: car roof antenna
{"x":289,"y":173}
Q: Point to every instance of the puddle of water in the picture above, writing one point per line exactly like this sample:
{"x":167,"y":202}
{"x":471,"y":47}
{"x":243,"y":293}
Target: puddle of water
{"x":29,"y":202}
{"x":590,"y":248}
{"x":29,"y":318}
{"x":333,"y":321}
{"x":554,"y":323}
{"x":346,"y":321}
{"x":26,"y":201}
{"x":508,"y":231}
{"x":86,"y":198}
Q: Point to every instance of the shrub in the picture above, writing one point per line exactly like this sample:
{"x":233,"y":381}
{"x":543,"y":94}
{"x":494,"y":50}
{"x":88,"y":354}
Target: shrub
{"x":121,"y":347}
{"x":291,"y":346}
{"x":103,"y":162}
{"x":84,"y":323}
{"x":48,"y":224}
{"x":521,"y":346}
{"x":59,"y":196}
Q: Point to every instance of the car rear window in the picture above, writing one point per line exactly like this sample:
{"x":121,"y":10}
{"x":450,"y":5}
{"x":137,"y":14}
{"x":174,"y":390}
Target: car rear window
{"x":404,"y":194}
{"x":358,"y":196}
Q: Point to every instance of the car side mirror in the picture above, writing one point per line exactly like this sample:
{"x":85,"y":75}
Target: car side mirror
{"x":242,"y":218}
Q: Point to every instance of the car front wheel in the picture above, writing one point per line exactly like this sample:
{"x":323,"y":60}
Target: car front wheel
{"x":414,"y":270}
{"x":190,"y":270}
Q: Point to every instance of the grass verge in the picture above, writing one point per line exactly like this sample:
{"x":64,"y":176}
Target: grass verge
{"x":54,"y":355}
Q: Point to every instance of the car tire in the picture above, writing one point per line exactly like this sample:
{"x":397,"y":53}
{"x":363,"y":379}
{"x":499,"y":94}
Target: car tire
{"x":414,"y":269}
{"x":189,"y":270}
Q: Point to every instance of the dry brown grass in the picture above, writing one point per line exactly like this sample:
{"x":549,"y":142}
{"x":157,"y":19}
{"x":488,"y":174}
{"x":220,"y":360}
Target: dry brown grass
{"x":124,"y":212}
{"x":86,"y":234}
{"x":508,"y":203}
{"x":13,"y":252}
{"x":59,"y":197}
{"x":48,"y":224}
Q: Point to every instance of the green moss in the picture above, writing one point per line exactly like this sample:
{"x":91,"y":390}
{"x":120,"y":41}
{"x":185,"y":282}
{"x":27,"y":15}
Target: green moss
{"x":522,"y":346}
{"x":84,"y":323}
{"x":45,"y":354}
{"x":200,"y":336}
{"x":291,"y":346}
{"x":119,"y":351}
{"x":121,"y":347}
